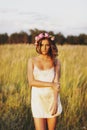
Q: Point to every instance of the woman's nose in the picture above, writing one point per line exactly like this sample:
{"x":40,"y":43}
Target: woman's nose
{"x":44,"y":47}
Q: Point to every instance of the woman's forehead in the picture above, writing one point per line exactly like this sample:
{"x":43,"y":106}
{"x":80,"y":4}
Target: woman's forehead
{"x":45,"y":41}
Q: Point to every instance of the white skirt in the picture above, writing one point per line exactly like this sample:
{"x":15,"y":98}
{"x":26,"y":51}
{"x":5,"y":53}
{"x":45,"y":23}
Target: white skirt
{"x":41,"y":102}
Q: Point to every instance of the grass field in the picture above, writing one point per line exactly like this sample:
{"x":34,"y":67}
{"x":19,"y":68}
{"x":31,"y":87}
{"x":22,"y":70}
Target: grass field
{"x":15,"y":112}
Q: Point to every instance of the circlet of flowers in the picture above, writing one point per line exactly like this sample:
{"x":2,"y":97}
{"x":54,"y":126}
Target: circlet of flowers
{"x":43,"y":35}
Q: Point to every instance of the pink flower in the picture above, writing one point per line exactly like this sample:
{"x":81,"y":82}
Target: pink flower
{"x":36,"y":38}
{"x":46,"y":35}
{"x":52,"y":38}
{"x":41,"y":35}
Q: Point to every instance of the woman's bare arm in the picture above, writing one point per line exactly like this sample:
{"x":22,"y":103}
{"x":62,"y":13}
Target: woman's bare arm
{"x":57,"y":71}
{"x":34,"y":82}
{"x":54,"y":106}
{"x":57,"y":77}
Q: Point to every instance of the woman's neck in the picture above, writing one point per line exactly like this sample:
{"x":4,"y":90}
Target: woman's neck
{"x":45,"y":57}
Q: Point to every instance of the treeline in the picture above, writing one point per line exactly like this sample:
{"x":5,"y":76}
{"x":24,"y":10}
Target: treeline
{"x":23,"y":37}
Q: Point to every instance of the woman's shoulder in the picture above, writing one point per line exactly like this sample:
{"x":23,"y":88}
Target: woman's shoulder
{"x":32,"y":59}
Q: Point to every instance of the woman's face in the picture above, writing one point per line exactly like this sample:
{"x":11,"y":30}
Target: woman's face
{"x":45,"y":46}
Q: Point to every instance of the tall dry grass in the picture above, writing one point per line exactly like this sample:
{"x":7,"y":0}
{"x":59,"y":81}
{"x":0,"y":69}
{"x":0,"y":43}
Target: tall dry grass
{"x":15,"y":112}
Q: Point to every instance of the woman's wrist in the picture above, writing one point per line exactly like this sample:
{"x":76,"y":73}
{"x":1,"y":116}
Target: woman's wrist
{"x":56,"y":86}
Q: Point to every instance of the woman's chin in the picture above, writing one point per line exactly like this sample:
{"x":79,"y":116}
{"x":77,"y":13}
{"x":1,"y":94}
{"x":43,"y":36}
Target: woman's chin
{"x":44,"y":53}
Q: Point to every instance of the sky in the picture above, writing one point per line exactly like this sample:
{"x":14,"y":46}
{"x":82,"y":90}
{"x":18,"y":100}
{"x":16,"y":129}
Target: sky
{"x":66,"y":16}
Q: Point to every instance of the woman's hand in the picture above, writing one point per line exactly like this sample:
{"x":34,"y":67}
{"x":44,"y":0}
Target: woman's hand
{"x":54,"y":107}
{"x":56,"y":86}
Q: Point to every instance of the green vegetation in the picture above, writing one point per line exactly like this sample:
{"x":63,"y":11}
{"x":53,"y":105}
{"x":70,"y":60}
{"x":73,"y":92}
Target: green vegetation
{"x":23,"y":37}
{"x":15,"y":112}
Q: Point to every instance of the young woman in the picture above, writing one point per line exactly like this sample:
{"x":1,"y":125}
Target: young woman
{"x":43,"y":76}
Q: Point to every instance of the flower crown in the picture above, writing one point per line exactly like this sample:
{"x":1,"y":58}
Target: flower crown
{"x":43,"y":35}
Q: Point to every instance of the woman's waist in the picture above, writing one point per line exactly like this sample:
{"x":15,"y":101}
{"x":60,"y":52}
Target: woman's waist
{"x":42,"y":90}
